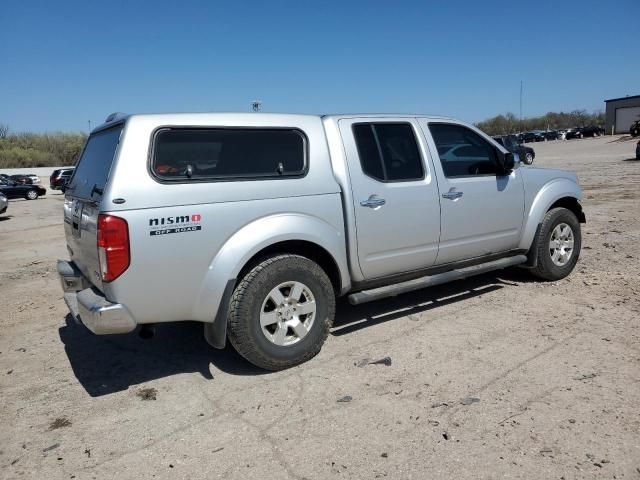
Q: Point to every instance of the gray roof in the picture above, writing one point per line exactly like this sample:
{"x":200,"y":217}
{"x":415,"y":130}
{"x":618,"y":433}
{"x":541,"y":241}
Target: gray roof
{"x":622,"y":98}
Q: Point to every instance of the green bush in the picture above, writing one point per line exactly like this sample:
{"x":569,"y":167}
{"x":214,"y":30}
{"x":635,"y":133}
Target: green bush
{"x":23,"y":150}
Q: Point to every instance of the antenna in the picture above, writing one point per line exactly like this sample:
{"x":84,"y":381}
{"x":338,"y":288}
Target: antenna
{"x":520,"y":104}
{"x":256,"y":105}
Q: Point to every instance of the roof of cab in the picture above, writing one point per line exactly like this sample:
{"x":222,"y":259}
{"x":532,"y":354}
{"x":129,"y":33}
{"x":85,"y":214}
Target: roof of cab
{"x":207,"y":117}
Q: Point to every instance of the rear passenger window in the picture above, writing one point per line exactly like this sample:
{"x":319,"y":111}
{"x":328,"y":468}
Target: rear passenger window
{"x":388,"y":151}
{"x":182,"y":154}
{"x":463,"y":152}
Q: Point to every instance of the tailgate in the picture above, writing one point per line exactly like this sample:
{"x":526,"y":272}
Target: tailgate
{"x":83,"y":198}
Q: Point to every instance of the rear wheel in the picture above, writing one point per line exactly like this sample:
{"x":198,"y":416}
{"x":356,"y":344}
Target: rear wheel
{"x":281,"y":312}
{"x":31,"y":194}
{"x":557,"y":244}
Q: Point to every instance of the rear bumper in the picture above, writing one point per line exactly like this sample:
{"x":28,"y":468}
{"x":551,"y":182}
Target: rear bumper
{"x":89,"y":306}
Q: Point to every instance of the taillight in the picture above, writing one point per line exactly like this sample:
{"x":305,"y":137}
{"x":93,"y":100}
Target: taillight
{"x":113,"y":246}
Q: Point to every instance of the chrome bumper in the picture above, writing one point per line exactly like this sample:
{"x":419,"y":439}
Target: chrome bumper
{"x":89,"y":306}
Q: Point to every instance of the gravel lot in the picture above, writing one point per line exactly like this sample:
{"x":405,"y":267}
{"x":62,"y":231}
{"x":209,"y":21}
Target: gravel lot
{"x":497,"y":376}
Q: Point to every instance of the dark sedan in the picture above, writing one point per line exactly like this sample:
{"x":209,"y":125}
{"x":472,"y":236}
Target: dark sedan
{"x":533,"y":136}
{"x":23,"y":179}
{"x":511,"y":143}
{"x":12,"y":189}
{"x":588,"y":131}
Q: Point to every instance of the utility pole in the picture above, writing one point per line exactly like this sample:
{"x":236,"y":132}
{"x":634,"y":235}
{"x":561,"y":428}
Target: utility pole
{"x":89,"y":122}
{"x":520,"y":105}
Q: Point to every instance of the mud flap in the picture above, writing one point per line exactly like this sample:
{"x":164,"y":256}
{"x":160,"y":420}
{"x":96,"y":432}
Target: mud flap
{"x":216,"y":333}
{"x":532,"y":254}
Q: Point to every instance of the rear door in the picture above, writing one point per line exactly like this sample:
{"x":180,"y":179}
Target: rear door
{"x":82,"y":200}
{"x":395,"y":196}
{"x":482,"y":209}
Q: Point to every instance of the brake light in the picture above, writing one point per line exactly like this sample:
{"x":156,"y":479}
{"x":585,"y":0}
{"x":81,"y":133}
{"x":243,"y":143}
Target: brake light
{"x":113,"y":246}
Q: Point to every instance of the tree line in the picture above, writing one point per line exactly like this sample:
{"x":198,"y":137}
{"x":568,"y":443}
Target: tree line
{"x":25,"y":150}
{"x":509,"y":123}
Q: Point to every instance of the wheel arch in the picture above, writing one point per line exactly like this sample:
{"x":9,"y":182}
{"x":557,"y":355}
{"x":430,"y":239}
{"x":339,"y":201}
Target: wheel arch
{"x":304,"y":248}
{"x":558,"y":193}
{"x":296,"y":233}
{"x":570,"y":203}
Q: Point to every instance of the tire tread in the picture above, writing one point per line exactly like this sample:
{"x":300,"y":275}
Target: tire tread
{"x":544,"y":269}
{"x":237,"y":324}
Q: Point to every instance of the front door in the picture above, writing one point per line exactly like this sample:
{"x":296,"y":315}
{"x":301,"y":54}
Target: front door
{"x":482,"y":209}
{"x":395,"y":195}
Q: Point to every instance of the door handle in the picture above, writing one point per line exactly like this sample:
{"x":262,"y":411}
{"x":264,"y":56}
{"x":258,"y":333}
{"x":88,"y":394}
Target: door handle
{"x":373,"y":202}
{"x":452,"y":194}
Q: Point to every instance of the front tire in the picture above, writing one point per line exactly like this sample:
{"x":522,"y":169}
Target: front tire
{"x":281,"y":312}
{"x":528,"y":158}
{"x":31,"y":195}
{"x":557,"y":245}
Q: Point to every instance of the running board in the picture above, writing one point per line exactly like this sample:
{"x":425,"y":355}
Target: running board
{"x":431,"y":280}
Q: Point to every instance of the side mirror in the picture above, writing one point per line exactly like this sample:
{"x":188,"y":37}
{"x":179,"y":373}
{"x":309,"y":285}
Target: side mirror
{"x":508,"y":162}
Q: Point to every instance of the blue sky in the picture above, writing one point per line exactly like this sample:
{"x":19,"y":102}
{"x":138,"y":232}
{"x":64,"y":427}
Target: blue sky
{"x":65,"y":64}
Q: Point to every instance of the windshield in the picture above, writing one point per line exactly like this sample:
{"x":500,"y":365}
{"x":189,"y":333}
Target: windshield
{"x":95,"y":163}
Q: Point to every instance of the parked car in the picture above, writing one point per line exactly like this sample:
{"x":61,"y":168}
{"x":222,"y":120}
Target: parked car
{"x":534,"y":136}
{"x":247,"y":222}
{"x":12,"y":189}
{"x":4,"y":203}
{"x":510,"y":142}
{"x":638,"y":151}
{"x":26,"y":178}
{"x":634,"y":131}
{"x":592,"y":131}
{"x":35,"y":179}
{"x":22,"y":179}
{"x":550,"y":135}
{"x":60,"y":177}
{"x":588,"y":131}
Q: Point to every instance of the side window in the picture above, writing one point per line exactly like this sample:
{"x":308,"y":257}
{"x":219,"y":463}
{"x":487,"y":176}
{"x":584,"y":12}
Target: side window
{"x":388,"y":151}
{"x":463,"y":152}
{"x":219,"y":153}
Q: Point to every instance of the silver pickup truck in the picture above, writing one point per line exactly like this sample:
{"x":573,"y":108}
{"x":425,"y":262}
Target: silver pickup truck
{"x":254,"y":223}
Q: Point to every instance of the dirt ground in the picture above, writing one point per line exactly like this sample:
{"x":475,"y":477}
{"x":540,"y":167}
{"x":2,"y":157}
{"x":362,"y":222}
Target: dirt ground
{"x":498,"y":376}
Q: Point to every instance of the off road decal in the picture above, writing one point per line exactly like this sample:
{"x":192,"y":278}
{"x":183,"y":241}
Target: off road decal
{"x":175,"y":224}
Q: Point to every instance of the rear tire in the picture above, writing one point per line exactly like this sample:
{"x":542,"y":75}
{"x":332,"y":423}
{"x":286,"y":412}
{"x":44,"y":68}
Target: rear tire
{"x":31,"y":195}
{"x":557,"y":245}
{"x":266,"y":324}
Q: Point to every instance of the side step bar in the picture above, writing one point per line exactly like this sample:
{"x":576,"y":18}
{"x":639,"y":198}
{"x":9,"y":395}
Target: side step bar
{"x":432,"y":280}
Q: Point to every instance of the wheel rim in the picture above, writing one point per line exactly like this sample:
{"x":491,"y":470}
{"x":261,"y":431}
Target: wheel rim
{"x":529,"y":158}
{"x":561,"y":244}
{"x":288,"y":313}
{"x":31,"y":195}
